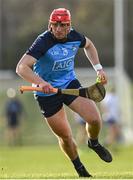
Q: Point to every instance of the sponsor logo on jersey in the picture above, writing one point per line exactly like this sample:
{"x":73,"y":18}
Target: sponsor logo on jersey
{"x":56,"y":52}
{"x":62,"y":64}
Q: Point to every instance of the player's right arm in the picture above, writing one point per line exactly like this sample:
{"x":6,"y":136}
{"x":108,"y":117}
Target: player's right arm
{"x":92,"y":54}
{"x":24,"y":70}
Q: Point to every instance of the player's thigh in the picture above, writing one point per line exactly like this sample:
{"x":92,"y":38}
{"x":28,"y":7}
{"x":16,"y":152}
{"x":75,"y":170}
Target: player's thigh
{"x":86,"y":108}
{"x":59,"y":124}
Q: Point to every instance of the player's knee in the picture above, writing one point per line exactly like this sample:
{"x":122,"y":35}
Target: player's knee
{"x":95,"y":121}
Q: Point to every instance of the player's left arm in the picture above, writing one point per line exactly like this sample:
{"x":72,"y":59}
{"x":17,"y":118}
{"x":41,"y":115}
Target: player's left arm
{"x":92,"y":55}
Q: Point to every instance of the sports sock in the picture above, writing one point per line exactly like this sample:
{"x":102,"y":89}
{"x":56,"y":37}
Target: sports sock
{"x":94,"y":142}
{"x":77,"y":163}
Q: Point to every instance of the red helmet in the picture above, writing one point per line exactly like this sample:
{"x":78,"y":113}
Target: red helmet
{"x":60,"y":15}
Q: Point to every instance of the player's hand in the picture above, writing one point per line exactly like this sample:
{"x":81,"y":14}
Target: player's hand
{"x":101,"y":76}
{"x":46,"y":87}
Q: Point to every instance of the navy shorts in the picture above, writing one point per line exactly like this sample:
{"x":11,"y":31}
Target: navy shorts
{"x":50,"y":105}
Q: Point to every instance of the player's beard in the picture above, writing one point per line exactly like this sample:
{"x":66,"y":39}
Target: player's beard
{"x":60,"y":37}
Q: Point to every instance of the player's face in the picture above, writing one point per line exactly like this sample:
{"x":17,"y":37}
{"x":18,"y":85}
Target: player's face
{"x":60,"y":30}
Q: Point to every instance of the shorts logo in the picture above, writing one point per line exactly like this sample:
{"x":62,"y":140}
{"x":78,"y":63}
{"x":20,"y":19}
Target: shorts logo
{"x":62,"y":64}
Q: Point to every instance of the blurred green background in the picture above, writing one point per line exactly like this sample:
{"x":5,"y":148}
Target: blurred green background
{"x":21,"y":22}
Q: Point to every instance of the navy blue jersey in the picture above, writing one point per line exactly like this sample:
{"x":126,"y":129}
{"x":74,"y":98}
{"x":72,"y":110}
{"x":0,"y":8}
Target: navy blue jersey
{"x":55,"y":60}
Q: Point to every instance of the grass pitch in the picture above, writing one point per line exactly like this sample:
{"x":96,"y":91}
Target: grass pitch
{"x":50,"y":163}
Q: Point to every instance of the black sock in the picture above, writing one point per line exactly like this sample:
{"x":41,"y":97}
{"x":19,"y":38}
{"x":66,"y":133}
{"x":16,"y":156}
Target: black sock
{"x":77,"y":163}
{"x":93,"y":142}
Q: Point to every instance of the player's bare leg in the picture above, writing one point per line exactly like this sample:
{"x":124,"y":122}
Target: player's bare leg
{"x":61,"y":128}
{"x":88,"y":111}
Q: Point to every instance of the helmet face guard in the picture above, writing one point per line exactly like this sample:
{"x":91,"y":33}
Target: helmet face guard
{"x":61,"y":15}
